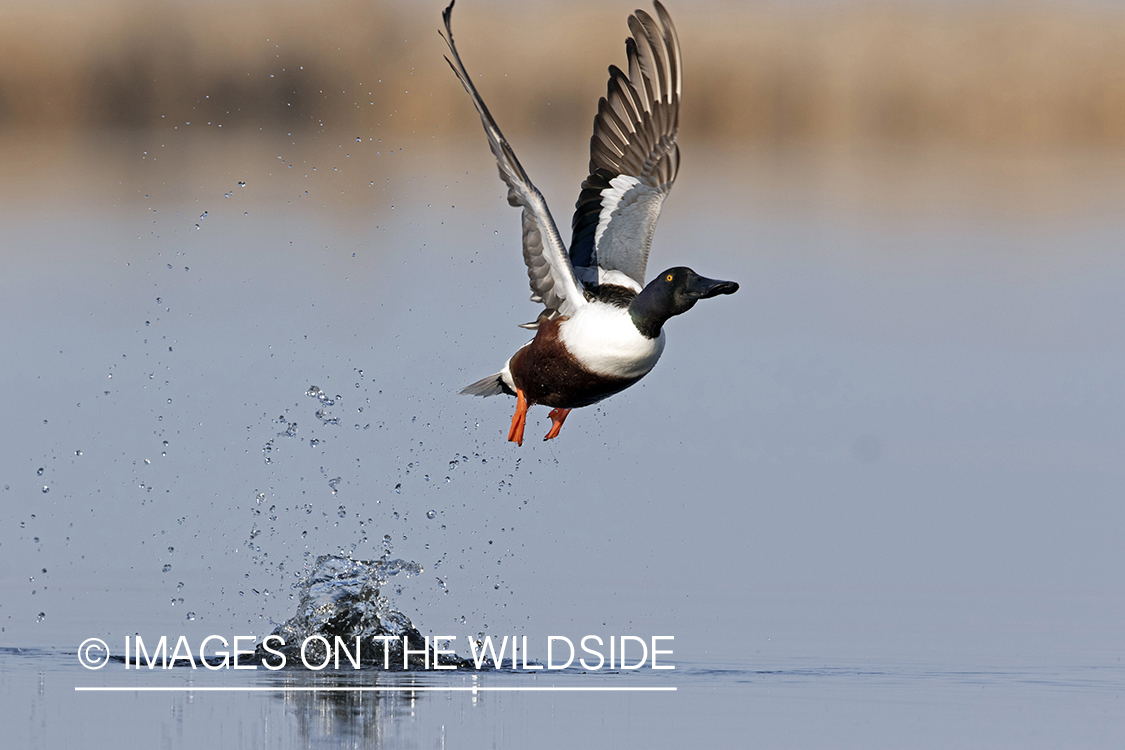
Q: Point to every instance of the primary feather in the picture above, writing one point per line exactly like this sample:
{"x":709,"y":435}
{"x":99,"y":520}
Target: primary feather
{"x":548,"y":267}
{"x":634,"y":157}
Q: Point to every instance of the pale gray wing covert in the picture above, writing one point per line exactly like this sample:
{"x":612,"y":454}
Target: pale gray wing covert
{"x":548,"y":266}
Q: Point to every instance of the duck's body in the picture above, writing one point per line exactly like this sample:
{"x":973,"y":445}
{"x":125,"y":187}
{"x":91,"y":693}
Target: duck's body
{"x":578,"y":361}
{"x":602,"y":328}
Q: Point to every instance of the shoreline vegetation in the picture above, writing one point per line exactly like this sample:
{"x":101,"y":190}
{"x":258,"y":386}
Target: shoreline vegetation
{"x":994,"y":75}
{"x":909,"y":102}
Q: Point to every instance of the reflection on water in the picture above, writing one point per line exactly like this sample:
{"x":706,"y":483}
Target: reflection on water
{"x":932,"y":704}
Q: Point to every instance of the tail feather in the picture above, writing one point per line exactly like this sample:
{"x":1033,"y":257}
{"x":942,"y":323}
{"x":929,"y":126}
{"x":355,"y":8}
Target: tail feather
{"x":493,"y":385}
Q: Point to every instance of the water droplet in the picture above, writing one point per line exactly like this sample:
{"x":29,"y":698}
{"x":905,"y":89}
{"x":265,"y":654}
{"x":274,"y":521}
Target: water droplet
{"x":40,"y":617}
{"x":333,"y":483}
{"x":167,"y":567}
{"x":39,"y":473}
{"x":342,"y":512}
{"x":191,"y":615}
{"x":78,"y":453}
{"x":431,"y":514}
{"x":398,"y":488}
{"x":46,"y":489}
{"x":171,"y":550}
{"x":319,"y":395}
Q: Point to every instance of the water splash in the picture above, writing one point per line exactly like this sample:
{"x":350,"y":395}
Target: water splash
{"x":341,"y":597}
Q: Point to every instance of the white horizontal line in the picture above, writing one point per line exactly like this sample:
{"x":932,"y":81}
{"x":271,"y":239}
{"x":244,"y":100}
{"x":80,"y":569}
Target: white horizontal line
{"x":374,"y":689}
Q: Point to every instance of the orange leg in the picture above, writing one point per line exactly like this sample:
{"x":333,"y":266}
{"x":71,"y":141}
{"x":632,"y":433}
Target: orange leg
{"x":519,"y":419}
{"x":558,"y":416}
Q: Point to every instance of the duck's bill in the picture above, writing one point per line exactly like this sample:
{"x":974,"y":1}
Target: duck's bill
{"x":704,"y":288}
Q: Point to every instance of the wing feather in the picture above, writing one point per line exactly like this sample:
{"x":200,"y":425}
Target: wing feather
{"x":549,"y":268}
{"x":634,"y":157}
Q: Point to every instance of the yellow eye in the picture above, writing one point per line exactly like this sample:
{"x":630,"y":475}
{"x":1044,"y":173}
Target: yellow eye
{"x":668,"y":277}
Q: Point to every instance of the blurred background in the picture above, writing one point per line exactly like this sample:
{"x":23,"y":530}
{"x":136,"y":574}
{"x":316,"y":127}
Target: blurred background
{"x":1017,"y":105}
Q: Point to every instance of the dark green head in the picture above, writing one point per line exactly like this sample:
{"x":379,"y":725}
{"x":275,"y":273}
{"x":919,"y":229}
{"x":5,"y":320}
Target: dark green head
{"x":672,"y":293}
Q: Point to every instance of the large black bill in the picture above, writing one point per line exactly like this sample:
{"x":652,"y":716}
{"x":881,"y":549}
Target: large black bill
{"x":702,"y":288}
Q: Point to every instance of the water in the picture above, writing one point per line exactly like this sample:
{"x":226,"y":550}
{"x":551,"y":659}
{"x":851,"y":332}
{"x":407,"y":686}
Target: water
{"x":340,"y":600}
{"x":797,"y":704}
{"x":874,"y":496}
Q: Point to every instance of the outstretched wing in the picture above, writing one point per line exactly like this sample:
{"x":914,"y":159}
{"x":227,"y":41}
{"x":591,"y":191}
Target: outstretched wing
{"x":548,"y":267}
{"x":633,"y":157}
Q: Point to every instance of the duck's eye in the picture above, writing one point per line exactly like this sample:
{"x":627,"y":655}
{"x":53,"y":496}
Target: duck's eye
{"x":668,"y":277}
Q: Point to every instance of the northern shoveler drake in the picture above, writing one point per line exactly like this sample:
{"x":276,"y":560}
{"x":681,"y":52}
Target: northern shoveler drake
{"x":601,"y":329}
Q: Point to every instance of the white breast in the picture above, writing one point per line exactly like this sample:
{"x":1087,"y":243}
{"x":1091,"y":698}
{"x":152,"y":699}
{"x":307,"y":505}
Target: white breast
{"x":603,"y":338}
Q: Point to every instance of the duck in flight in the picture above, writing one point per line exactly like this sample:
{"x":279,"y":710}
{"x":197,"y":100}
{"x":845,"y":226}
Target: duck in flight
{"x":602,"y":328}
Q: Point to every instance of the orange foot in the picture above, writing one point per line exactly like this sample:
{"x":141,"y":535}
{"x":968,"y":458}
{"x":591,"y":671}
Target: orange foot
{"x":519,"y":419}
{"x":558,"y":416}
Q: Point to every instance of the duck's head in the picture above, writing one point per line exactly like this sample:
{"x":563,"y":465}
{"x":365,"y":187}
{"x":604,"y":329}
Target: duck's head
{"x":672,"y":293}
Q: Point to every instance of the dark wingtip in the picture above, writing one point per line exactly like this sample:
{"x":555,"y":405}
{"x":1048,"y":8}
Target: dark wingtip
{"x":446,"y":16}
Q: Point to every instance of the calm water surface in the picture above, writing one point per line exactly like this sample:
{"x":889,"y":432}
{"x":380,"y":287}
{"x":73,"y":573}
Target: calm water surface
{"x":875,"y":496}
{"x":803,"y":703}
